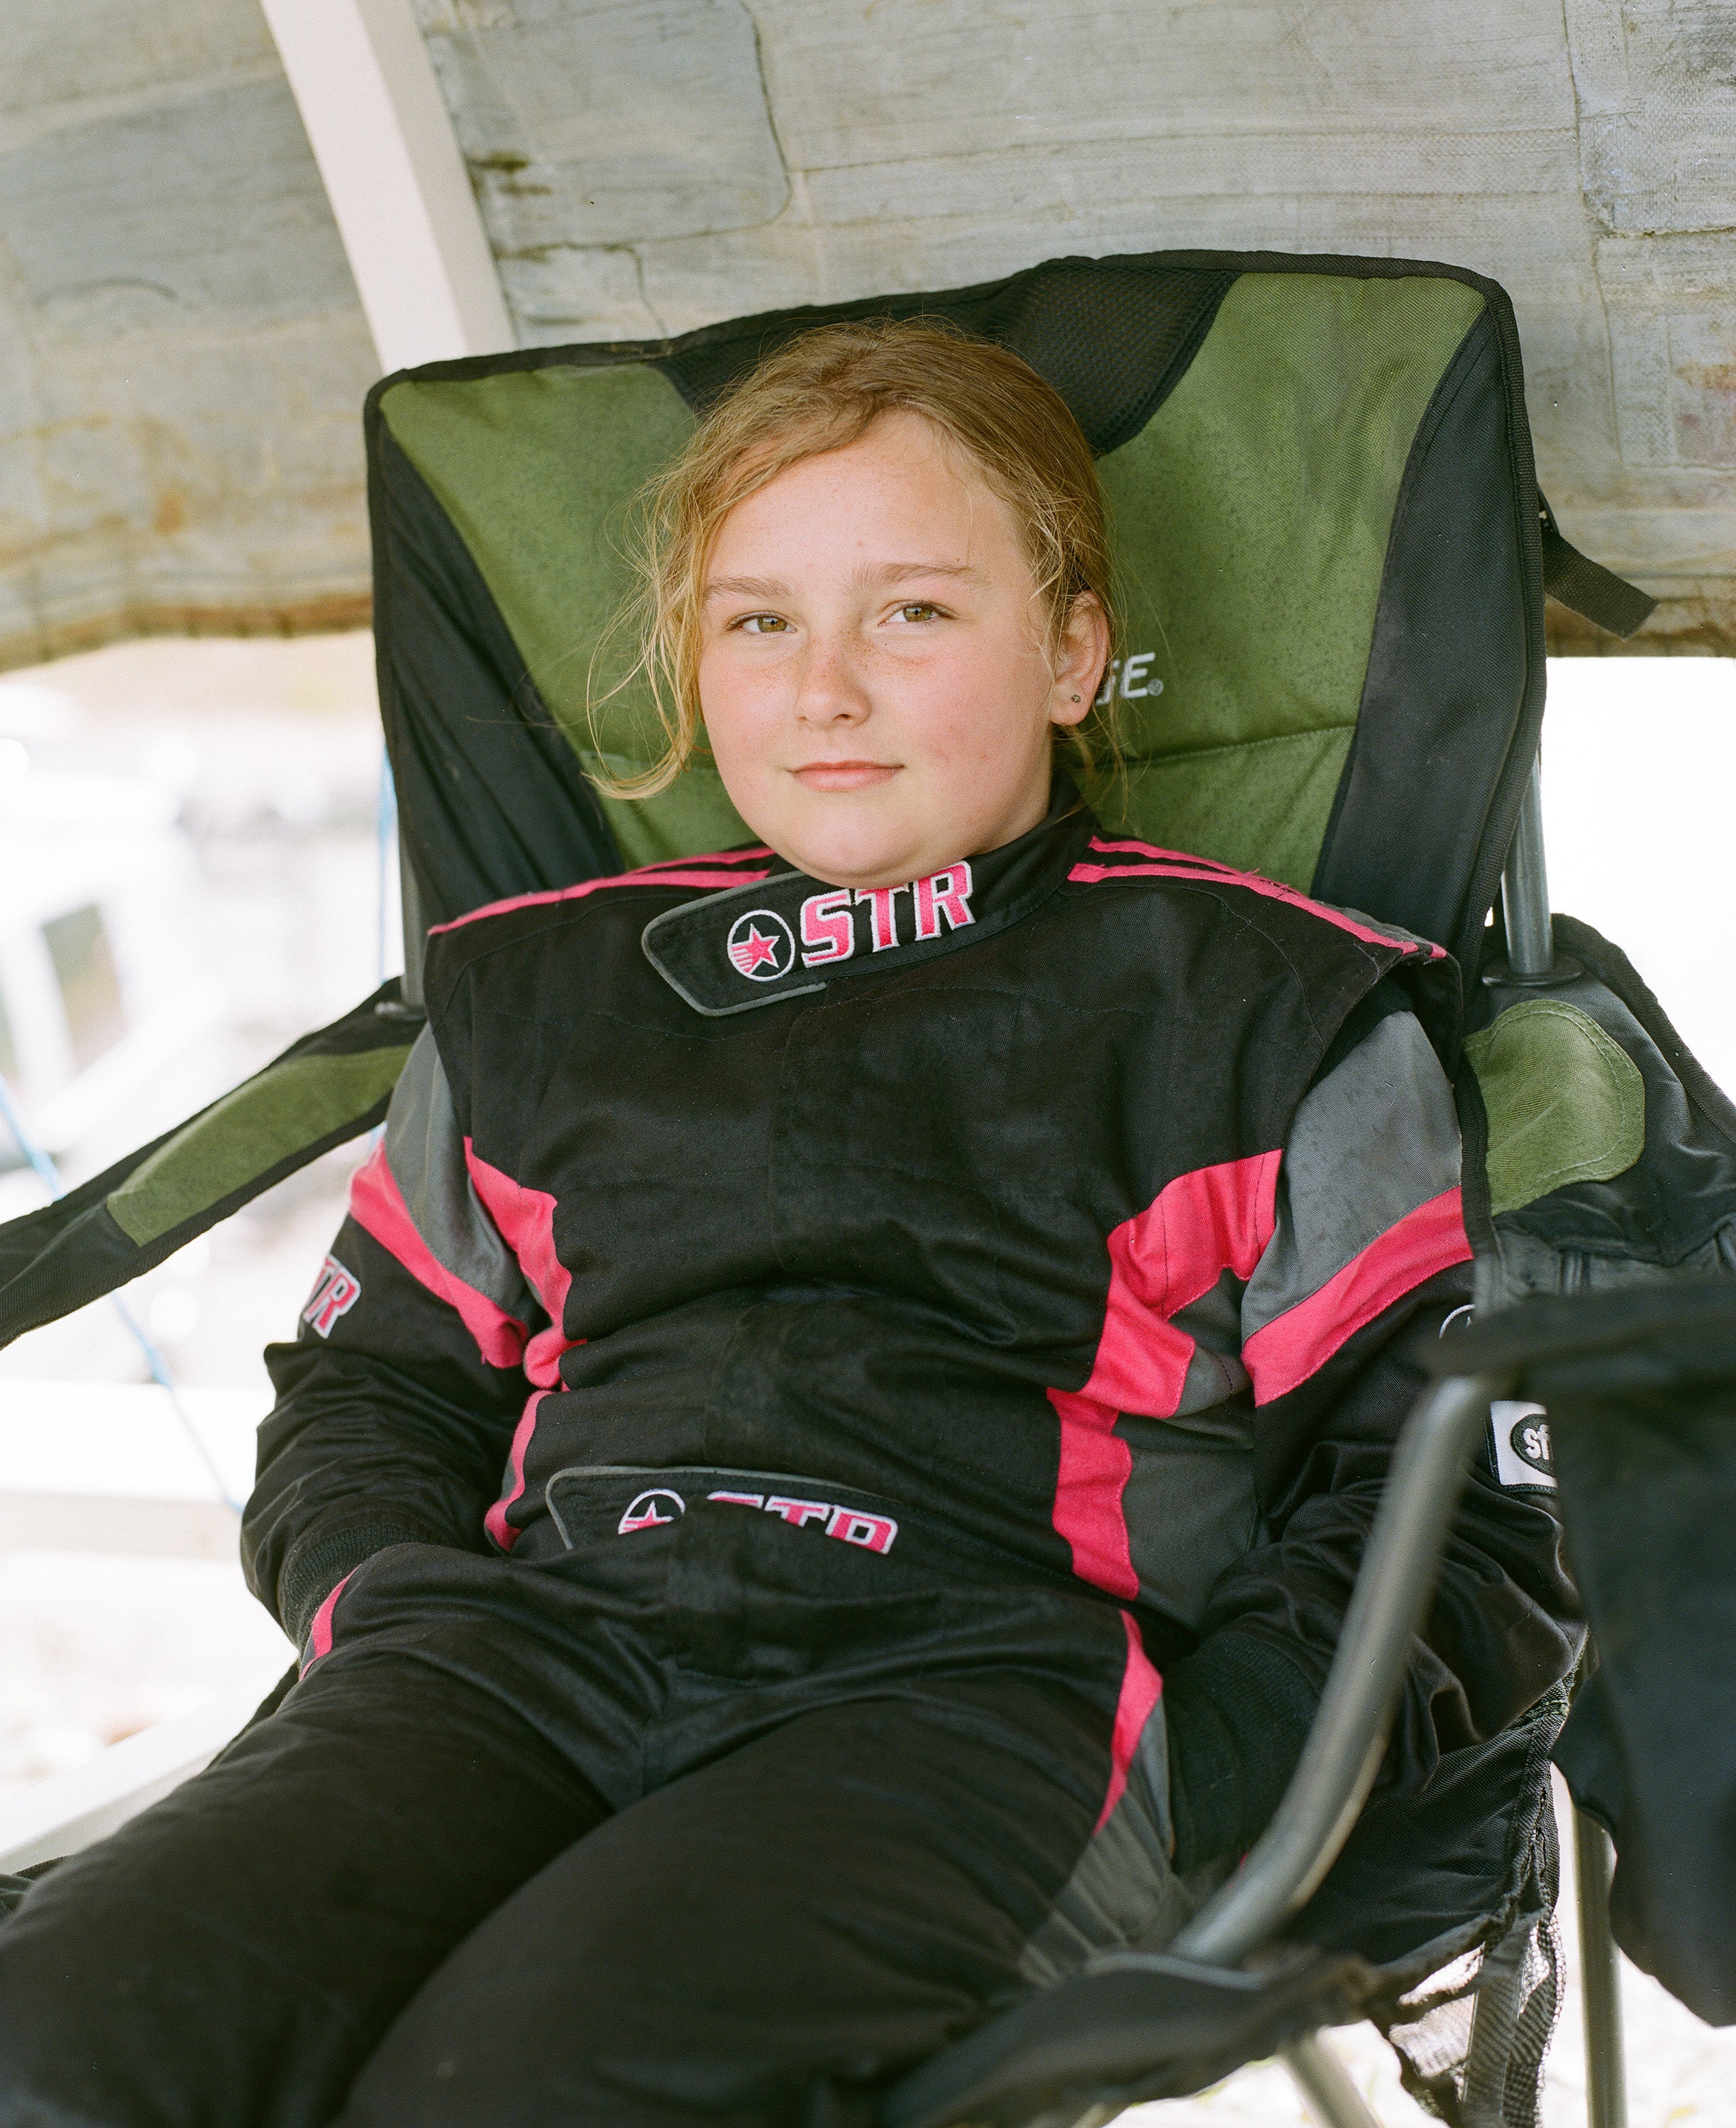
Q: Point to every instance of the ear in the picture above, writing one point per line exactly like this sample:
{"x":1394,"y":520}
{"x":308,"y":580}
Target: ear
{"x":1084,"y":653}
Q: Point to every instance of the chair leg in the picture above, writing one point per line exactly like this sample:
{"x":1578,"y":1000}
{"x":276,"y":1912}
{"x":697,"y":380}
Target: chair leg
{"x":1594,"y":1862}
{"x":1325,"y":2082}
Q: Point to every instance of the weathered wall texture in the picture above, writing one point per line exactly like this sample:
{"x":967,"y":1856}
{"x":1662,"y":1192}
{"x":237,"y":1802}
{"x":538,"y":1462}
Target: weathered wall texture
{"x":182,"y":357}
{"x":182,"y":354}
{"x":648,"y":165}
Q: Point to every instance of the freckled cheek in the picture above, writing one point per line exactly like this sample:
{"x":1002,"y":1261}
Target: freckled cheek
{"x":738,"y":701}
{"x":952,"y":697}
{"x":743,"y":746}
{"x":742,"y":752}
{"x":716,"y":692}
{"x":976,"y":732}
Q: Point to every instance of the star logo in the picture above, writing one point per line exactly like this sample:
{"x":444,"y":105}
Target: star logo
{"x":651,"y":1510}
{"x":760,"y":946}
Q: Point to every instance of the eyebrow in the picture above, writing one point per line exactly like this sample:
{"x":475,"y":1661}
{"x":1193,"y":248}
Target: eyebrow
{"x":890,"y":573}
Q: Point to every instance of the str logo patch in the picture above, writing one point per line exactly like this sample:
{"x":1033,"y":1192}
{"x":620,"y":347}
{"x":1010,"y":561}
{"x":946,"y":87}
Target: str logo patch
{"x":659,"y":1505}
{"x":760,"y":946}
{"x":850,"y":1525}
{"x":1523,"y":1454}
{"x":336,"y":1292}
{"x":651,"y":1510}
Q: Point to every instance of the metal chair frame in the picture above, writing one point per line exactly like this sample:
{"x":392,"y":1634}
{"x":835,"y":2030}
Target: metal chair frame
{"x":1344,"y":1752}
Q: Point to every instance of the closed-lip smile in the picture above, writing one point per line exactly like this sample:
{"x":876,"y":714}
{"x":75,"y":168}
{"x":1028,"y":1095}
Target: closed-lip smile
{"x":843,"y":775}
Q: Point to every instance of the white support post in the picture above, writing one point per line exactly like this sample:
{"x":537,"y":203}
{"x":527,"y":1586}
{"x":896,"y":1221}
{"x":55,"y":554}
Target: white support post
{"x":382,"y":138}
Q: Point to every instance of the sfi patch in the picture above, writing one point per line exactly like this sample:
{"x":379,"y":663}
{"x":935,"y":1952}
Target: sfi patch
{"x":1523,"y":1454}
{"x":336,"y":1292}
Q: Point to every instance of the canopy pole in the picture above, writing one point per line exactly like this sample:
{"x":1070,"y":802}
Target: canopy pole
{"x":1594,"y":1864}
{"x":415,"y":931}
{"x":1532,"y":961}
{"x":1524,"y":891}
{"x":382,"y":138}
{"x":1325,"y":2082}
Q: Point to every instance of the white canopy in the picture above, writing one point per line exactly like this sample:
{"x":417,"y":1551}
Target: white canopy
{"x":183,"y":353}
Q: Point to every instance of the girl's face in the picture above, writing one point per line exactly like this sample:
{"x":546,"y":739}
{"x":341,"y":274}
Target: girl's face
{"x":872,"y":670}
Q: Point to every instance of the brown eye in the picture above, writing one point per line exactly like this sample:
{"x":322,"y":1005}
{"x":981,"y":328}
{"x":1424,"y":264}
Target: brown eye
{"x":916,"y":611}
{"x":762,"y":623}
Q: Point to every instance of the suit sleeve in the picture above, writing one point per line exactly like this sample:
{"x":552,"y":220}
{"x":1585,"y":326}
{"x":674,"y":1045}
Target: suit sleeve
{"x":1367,"y":1261}
{"x":397,"y":1404}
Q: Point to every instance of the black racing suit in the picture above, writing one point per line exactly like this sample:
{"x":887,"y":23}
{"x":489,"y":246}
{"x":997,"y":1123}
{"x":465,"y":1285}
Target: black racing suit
{"x":818,"y":1486}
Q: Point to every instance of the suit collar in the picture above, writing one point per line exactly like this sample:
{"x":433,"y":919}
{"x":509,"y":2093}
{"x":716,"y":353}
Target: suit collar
{"x":789,"y":935}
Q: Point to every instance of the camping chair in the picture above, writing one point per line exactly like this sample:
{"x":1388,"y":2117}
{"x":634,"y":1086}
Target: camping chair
{"x":1334,"y":558}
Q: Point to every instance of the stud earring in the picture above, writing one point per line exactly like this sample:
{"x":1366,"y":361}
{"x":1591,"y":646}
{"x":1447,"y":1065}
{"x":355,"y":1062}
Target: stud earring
{"x":1076,"y":698}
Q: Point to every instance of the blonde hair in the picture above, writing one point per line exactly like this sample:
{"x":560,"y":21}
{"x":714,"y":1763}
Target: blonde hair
{"x":819,"y":393}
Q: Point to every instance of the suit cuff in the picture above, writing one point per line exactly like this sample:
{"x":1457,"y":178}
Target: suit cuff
{"x":1238,"y":1714}
{"x":319,"y":1560}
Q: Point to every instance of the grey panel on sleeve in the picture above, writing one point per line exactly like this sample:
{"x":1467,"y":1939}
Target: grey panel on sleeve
{"x":425,"y":1150}
{"x":1214,"y":1323}
{"x":1190,"y":1502}
{"x":1375,"y":1138}
{"x":1124,"y":1894}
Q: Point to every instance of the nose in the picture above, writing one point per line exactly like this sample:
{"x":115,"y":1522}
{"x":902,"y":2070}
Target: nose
{"x":830,"y":691}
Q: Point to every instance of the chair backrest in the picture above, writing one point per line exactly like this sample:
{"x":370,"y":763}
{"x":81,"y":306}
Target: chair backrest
{"x":1325,"y":519}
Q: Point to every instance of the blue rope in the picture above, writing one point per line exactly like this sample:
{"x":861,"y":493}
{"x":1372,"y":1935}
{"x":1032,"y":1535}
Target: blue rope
{"x":49,"y":1176}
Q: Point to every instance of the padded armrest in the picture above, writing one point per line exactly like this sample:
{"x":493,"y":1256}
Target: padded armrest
{"x":1131,"y":2027}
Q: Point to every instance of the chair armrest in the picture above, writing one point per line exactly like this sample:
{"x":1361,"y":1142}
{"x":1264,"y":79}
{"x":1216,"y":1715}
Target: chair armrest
{"x":1345,"y":1745}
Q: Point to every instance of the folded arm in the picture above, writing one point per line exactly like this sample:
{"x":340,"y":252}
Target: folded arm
{"x":397,"y":1401}
{"x":1368,"y":1261}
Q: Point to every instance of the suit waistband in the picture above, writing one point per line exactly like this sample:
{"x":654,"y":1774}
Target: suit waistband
{"x":602,"y":1505}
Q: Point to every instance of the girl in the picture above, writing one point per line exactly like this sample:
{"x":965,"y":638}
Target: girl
{"x":820,"y":1481}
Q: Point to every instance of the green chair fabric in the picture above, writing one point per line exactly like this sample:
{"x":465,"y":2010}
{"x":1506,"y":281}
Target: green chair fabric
{"x":1566,"y":1103}
{"x":1254,"y":481}
{"x":1250,"y":517}
{"x":326,"y":1089}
